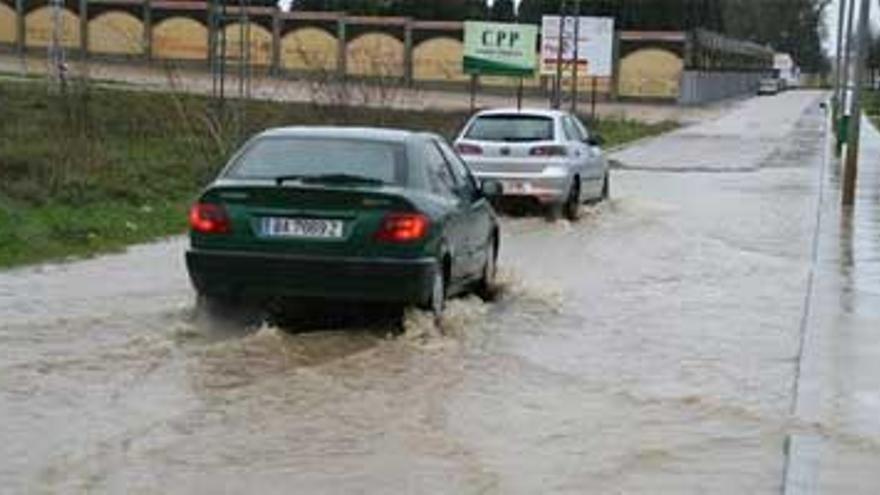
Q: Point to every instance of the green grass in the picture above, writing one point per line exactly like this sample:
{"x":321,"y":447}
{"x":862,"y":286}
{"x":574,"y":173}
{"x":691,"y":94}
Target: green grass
{"x":96,"y":169}
{"x":872,"y":106}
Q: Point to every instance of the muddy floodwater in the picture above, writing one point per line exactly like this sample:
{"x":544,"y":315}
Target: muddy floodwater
{"x":653,"y":347}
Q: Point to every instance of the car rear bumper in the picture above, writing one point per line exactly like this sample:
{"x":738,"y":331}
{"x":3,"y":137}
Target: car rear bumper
{"x":405,"y":281}
{"x":546,"y":188}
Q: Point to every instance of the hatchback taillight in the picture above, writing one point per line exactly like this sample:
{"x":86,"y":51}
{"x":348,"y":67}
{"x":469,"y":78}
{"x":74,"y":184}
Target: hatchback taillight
{"x":209,"y":218}
{"x":403,"y":227}
{"x":468,"y":149}
{"x":548,"y":151}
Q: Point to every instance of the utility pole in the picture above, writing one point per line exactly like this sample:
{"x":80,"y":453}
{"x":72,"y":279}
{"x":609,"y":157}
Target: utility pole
{"x":838,"y":68}
{"x":848,"y":45}
{"x":842,"y":125}
{"x":574,"y":70}
{"x":851,"y":165}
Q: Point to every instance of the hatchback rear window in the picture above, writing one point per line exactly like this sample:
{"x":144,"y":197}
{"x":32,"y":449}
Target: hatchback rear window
{"x":511,"y":128}
{"x":273,"y":157}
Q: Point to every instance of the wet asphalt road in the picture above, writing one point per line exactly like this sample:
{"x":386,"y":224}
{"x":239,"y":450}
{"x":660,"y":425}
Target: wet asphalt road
{"x":654,"y":347}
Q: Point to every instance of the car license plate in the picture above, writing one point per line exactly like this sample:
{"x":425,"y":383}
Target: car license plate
{"x":515,"y":187}
{"x":309,"y":228}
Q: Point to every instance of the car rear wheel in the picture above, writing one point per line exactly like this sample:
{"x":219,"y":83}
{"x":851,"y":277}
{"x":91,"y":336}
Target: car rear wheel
{"x":487,"y":287}
{"x":572,"y":206}
{"x":436,"y":302}
{"x":606,"y":187}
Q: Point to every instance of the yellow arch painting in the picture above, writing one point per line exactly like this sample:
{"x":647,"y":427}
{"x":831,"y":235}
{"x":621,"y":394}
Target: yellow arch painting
{"x":116,"y":33}
{"x":7,"y":24}
{"x":181,"y":39}
{"x":260,"y":40}
{"x":439,"y":59}
{"x":375,"y":54}
{"x":650,"y":73}
{"x":308,"y":49}
{"x":38,"y":28}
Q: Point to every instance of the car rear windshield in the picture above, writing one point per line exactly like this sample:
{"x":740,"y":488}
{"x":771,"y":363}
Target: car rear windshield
{"x":511,"y":128}
{"x":273,"y":157}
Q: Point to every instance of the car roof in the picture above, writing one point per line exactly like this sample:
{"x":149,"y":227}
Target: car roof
{"x":341,"y":132}
{"x":538,"y":112}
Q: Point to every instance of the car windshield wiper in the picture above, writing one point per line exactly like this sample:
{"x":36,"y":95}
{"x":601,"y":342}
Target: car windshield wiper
{"x":342,"y":179}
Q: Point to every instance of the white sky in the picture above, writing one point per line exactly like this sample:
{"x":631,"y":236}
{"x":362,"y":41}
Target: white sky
{"x":831,"y":21}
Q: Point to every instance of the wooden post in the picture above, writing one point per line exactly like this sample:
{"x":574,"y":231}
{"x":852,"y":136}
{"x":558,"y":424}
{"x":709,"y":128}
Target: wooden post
{"x":275,"y":67}
{"x":408,"y":53}
{"x":519,"y":94}
{"x":473,"y":92}
{"x":341,"y":47}
{"x":21,"y":32}
{"x":557,"y":86}
{"x":614,"y":89}
{"x":215,"y":25}
{"x":84,"y":29}
{"x":147,"y":14}
{"x":593,"y":102}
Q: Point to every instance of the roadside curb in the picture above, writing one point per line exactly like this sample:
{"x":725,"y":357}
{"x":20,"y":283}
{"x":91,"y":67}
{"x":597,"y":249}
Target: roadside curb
{"x":803,"y":451}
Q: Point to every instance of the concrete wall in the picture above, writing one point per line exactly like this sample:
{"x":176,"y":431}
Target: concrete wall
{"x":310,"y":45}
{"x":116,"y":33}
{"x":309,"y":49}
{"x":650,"y":73}
{"x":38,"y":28}
{"x":699,"y":87}
{"x":7,"y":24}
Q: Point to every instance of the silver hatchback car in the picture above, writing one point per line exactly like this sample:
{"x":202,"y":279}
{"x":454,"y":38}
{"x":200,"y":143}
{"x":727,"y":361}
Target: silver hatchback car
{"x":548,"y":155}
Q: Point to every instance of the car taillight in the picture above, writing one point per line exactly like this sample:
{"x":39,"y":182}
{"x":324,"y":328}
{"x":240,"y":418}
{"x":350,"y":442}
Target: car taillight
{"x":403,"y":227}
{"x":468,"y":149}
{"x":548,"y":151}
{"x":209,"y":218}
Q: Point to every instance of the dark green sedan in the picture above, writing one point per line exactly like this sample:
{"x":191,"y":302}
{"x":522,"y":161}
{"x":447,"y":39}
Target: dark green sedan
{"x":347,"y":214}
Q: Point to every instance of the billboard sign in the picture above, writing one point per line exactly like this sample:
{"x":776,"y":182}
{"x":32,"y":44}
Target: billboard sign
{"x":494,"y":48}
{"x":595,"y":45}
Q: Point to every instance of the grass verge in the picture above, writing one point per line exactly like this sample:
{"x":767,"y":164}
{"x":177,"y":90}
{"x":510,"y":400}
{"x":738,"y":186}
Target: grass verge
{"x":91,"y":169}
{"x":872,"y":107}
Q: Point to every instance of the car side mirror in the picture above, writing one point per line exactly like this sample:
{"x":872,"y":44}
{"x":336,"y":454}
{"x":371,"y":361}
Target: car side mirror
{"x":492,"y":188}
{"x":596,"y":140}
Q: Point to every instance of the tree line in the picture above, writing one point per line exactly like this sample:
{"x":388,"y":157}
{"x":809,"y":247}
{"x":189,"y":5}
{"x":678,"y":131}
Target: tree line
{"x":791,"y":26}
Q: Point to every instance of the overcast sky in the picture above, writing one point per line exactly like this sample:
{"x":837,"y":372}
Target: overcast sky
{"x":831,"y":20}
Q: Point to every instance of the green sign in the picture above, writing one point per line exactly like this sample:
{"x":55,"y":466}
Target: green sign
{"x":494,"y":48}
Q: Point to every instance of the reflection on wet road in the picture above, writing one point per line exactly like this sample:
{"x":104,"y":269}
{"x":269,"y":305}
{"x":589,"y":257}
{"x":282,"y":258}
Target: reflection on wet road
{"x":650,"y":348}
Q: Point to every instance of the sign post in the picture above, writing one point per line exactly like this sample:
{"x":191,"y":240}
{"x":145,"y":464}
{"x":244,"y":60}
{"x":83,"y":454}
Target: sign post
{"x":587,"y":43}
{"x":500,"y":49}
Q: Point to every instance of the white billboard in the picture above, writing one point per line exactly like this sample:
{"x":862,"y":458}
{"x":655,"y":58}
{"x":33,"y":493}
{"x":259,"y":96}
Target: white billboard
{"x":595,"y":45}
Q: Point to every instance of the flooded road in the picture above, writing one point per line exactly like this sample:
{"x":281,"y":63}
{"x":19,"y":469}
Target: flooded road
{"x":651,"y":348}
